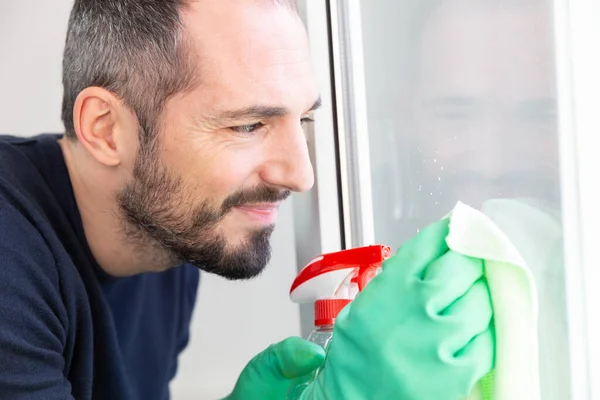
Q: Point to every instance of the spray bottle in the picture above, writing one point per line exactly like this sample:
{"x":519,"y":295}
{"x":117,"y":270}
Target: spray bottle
{"x":331,"y":281}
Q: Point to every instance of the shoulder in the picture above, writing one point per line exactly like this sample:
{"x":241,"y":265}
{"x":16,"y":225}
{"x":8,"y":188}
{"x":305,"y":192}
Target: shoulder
{"x":21,"y":164}
{"x":13,"y":150}
{"x":29,"y":281}
{"x":27,"y":261}
{"x":33,"y":317}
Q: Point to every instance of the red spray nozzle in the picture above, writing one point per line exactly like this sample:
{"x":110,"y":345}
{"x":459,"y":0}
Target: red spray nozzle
{"x":322,"y":277}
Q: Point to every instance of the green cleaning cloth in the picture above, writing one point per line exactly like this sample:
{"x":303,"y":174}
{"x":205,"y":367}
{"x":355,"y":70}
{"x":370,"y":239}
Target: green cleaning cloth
{"x":514,"y":299}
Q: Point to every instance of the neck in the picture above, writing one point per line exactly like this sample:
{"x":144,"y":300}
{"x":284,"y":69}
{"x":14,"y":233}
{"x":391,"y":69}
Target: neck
{"x":95,"y":188}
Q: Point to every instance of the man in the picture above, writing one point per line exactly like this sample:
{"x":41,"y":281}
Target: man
{"x":183,"y":134}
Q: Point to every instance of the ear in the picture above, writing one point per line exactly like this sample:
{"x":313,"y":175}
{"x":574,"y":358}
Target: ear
{"x":102,"y":123}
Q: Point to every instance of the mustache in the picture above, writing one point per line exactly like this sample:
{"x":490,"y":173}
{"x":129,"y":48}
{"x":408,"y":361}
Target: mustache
{"x":260,"y":194}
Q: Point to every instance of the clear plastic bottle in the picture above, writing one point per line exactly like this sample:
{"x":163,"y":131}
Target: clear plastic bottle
{"x":321,"y":335}
{"x":326,"y":312}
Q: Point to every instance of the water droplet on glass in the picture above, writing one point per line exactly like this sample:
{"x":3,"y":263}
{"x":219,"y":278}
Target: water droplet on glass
{"x":434,"y":160}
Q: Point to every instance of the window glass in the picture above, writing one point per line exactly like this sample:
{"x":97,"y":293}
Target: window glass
{"x":461,"y":99}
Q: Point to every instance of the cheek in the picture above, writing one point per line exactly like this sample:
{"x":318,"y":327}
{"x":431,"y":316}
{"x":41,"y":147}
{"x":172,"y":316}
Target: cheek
{"x":221,"y":182}
{"x":128,"y":144}
{"x":211,"y":165}
{"x":219,"y":175}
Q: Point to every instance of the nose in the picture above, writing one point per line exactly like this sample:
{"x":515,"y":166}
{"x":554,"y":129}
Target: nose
{"x":288,"y":162}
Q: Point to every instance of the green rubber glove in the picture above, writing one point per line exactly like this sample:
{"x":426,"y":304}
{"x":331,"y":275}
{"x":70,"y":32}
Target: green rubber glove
{"x":421,"y":329}
{"x":272,"y":373}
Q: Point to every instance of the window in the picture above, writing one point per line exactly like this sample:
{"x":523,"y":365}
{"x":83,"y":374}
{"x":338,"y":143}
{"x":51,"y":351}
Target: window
{"x":490,"y":102}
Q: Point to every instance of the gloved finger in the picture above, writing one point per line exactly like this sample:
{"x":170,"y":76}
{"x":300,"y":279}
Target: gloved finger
{"x":449,"y":278}
{"x":271,"y":373}
{"x":295,"y":357}
{"x":478,"y":357}
{"x":420,"y":251}
{"x":469,"y":316}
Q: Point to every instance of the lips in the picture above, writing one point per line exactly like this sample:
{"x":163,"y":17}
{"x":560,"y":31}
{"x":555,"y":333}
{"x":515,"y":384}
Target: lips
{"x":265,"y":213}
{"x":260,"y":207}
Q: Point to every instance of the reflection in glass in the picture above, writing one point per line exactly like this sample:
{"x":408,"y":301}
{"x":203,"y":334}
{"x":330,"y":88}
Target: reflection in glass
{"x":462,"y":106}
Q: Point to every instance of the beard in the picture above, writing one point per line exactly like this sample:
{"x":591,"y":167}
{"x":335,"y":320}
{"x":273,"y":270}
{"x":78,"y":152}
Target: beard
{"x":157,"y":213}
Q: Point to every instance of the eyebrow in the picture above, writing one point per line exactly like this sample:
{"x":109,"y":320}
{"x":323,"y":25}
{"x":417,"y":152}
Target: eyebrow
{"x":259,"y":112}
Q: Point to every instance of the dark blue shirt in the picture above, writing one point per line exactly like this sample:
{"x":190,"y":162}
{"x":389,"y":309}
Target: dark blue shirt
{"x":67,"y":330}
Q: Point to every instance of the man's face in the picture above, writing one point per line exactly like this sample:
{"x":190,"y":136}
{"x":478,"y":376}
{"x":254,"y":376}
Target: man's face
{"x":485,"y":103}
{"x":230,"y":151}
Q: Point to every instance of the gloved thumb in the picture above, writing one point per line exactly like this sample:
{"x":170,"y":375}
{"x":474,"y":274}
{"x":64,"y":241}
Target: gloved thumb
{"x":271,"y":373}
{"x":295,"y":357}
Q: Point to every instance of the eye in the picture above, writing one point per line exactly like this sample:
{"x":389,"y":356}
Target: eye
{"x":306,"y":120}
{"x":247,"y":128}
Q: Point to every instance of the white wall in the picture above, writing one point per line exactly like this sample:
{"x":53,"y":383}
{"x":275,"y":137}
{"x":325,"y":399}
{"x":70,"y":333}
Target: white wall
{"x":32,"y":33}
{"x":233,"y":321}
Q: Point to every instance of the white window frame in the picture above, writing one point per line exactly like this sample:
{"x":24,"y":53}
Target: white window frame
{"x":577,"y":25}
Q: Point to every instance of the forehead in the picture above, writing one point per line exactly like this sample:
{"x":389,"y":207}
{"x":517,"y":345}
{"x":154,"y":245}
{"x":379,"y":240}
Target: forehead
{"x":494,"y":47}
{"x":249,"y":50}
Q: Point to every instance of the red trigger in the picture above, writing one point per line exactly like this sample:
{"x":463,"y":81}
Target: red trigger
{"x":365,"y":276}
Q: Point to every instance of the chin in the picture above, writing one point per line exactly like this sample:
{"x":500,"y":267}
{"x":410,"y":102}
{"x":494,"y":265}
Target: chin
{"x":237,"y":241}
{"x":242,"y":257}
{"x":240,"y":235}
